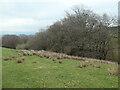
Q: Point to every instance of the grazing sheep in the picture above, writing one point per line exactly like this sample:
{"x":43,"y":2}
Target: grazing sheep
{"x":25,"y":54}
{"x":33,"y":52}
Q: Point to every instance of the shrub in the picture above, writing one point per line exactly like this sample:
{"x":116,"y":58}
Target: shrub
{"x":21,"y":46}
{"x":10,"y":41}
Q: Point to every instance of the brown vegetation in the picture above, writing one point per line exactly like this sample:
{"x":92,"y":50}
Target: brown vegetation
{"x":34,"y":62}
{"x":19,"y":61}
{"x":7,"y":59}
{"x":113,"y":71}
{"x":55,"y":56}
{"x":60,"y":62}
{"x":83,"y":66}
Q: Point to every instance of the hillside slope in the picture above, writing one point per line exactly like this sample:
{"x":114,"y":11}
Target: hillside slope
{"x":21,"y":71}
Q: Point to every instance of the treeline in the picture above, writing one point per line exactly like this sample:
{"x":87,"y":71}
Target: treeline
{"x":81,"y":33}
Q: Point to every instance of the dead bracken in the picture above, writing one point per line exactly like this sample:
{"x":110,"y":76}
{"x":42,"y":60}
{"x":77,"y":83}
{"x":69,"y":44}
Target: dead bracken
{"x":54,"y":55}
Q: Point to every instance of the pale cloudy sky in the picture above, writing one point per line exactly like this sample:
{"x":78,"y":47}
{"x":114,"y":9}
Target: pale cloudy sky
{"x":29,"y":16}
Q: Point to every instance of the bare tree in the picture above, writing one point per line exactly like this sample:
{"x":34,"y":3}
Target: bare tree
{"x":10,"y":41}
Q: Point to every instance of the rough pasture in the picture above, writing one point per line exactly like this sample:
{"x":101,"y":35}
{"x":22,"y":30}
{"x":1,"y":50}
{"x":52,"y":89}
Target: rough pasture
{"x":38,"y":71}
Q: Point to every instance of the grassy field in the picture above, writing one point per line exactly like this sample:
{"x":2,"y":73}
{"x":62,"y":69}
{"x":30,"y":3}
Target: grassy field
{"x":0,"y":68}
{"x":36,"y":72}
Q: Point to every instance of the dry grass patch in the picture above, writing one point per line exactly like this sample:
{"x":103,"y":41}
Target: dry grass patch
{"x":113,"y":71}
{"x":19,"y":61}
{"x":53,"y":55}
{"x":34,"y":61}
{"x":83,"y":66}
{"x":7,"y":59}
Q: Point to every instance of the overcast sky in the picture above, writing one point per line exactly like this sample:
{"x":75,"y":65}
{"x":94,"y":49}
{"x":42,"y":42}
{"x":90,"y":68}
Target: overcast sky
{"x":29,"y":16}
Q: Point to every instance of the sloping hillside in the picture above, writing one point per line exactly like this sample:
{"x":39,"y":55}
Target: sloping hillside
{"x":32,"y":71}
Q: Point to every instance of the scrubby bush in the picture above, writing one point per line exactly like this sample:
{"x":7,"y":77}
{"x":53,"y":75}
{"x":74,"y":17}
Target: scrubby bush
{"x":21,"y":46}
{"x":80,"y":33}
{"x":10,"y":41}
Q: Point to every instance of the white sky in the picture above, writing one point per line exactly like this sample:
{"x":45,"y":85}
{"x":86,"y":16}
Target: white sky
{"x":29,"y":16}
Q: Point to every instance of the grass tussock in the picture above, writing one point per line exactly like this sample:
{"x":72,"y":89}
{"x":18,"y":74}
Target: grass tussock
{"x":60,"y":62}
{"x":19,"y":61}
{"x":7,"y":59}
{"x":113,"y":71}
{"x":82,"y":66}
{"x":34,"y":62}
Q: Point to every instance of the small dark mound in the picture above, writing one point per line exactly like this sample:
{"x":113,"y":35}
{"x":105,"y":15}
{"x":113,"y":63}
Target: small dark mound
{"x":90,"y":63}
{"x":34,"y":53}
{"x":83,"y":66}
{"x":13,"y":57}
{"x":54,"y":60}
{"x":19,"y":61}
{"x":7,"y":59}
{"x":58,"y":57}
{"x":25,"y":54}
{"x":23,"y":59}
{"x":60,"y":62}
{"x":96,"y":66}
{"x":34,"y":62}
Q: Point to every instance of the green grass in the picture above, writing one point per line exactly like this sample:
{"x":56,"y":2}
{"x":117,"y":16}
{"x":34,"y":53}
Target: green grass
{"x":0,"y":68}
{"x":49,"y":74}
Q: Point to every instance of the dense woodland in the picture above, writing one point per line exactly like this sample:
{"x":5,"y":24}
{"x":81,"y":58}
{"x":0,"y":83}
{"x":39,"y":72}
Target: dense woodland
{"x":80,"y":33}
